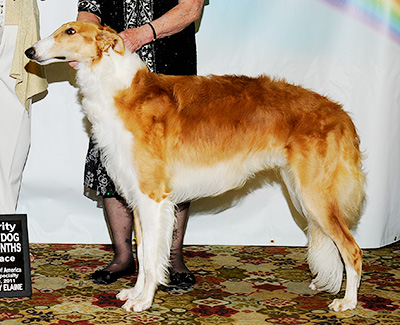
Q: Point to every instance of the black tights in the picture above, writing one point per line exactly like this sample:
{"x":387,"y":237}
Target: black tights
{"x":120,"y":221}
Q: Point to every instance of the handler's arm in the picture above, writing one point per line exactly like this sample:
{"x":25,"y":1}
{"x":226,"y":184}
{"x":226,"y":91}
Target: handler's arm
{"x":172,"y":22}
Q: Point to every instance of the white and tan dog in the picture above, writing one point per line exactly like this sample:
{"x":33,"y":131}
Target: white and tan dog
{"x":170,"y":139}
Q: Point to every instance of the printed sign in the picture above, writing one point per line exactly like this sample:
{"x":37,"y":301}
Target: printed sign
{"x":15,"y":268}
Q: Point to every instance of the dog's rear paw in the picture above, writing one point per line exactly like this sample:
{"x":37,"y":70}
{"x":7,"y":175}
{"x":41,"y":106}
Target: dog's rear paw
{"x":343,"y":304}
{"x":137,"y":305}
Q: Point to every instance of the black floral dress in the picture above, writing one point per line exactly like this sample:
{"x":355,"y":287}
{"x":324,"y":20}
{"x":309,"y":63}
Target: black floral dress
{"x":174,"y":55}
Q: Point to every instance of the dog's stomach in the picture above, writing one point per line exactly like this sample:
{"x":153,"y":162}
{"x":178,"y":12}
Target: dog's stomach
{"x":194,"y":182}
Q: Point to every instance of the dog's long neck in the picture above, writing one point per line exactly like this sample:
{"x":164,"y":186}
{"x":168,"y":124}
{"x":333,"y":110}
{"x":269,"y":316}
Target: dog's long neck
{"x":112,"y":73}
{"x":100,"y":82}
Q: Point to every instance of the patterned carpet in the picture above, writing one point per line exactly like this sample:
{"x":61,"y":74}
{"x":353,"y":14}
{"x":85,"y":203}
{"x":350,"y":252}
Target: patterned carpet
{"x":236,"y":285}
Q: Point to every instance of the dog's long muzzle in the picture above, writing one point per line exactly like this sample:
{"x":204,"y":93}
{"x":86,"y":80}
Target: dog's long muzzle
{"x":32,"y":55}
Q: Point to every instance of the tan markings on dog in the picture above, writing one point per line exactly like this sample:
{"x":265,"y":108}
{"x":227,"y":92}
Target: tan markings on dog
{"x":352,"y":251}
{"x":106,"y":39}
{"x":137,"y":227}
{"x":173,"y":116}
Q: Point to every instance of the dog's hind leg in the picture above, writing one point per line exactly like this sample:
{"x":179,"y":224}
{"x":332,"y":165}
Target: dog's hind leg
{"x":330,"y":236}
{"x":157,"y":222}
{"x":330,"y":241}
{"x":323,"y":256}
{"x":330,"y":192}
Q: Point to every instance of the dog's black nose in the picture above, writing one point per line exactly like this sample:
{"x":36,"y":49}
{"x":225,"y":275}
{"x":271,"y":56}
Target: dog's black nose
{"x":30,"y":53}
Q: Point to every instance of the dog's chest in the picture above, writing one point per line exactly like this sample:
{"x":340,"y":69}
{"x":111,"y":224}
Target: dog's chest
{"x":110,"y":136}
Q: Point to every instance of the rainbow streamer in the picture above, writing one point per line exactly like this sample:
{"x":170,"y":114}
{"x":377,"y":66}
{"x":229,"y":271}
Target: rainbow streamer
{"x":383,"y":15}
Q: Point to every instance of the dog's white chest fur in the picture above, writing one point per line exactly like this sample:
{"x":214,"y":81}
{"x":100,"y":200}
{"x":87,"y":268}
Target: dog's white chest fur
{"x":99,"y":86}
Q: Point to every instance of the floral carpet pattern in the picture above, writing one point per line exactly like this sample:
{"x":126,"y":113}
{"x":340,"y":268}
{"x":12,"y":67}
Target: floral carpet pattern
{"x":235,"y":285}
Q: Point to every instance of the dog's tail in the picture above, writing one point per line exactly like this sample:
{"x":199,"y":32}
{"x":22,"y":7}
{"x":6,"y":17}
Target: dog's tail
{"x":324,"y":261}
{"x":326,"y":176}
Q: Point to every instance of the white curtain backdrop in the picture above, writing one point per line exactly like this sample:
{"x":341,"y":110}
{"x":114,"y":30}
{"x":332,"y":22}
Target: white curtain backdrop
{"x":336,"y":48}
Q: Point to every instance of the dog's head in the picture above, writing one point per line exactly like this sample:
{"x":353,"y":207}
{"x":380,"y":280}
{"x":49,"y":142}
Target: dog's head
{"x":76,"y":41}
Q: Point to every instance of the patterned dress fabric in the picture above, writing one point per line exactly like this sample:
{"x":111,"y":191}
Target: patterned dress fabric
{"x":174,"y":55}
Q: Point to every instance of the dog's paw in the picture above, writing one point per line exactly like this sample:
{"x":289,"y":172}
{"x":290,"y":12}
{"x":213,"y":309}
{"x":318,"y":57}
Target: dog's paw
{"x":343,"y":304}
{"x":124,"y":294}
{"x":137,"y":305}
{"x":133,"y":293}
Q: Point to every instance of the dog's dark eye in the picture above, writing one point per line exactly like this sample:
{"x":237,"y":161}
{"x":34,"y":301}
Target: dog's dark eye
{"x":70,"y":31}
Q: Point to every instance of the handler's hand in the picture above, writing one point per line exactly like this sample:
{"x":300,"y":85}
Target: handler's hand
{"x":135,"y":38}
{"x":132,"y":39}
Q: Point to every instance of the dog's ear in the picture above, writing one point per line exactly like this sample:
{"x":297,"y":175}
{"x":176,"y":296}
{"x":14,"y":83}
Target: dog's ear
{"x":108,"y":37}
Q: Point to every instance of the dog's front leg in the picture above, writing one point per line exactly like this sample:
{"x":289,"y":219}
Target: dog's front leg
{"x":157,"y":222}
{"x":136,"y":292}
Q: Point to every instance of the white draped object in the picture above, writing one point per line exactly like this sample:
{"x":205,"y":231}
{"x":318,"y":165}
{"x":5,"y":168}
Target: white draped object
{"x":334,"y":47}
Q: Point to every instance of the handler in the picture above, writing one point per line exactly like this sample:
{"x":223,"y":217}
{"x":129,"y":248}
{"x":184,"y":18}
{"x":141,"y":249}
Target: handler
{"x":20,"y":80}
{"x":163,"y":34}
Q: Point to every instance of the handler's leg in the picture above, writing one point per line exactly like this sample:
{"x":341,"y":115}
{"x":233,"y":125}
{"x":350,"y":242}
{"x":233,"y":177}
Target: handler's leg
{"x":15,"y":127}
{"x":120,"y":221}
{"x":180,"y":275}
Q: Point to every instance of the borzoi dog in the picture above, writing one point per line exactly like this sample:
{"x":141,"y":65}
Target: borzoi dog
{"x":170,"y":139}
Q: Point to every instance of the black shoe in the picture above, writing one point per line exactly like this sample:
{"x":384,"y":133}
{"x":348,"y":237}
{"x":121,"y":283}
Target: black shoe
{"x":181,"y":280}
{"x":107,"y":277}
